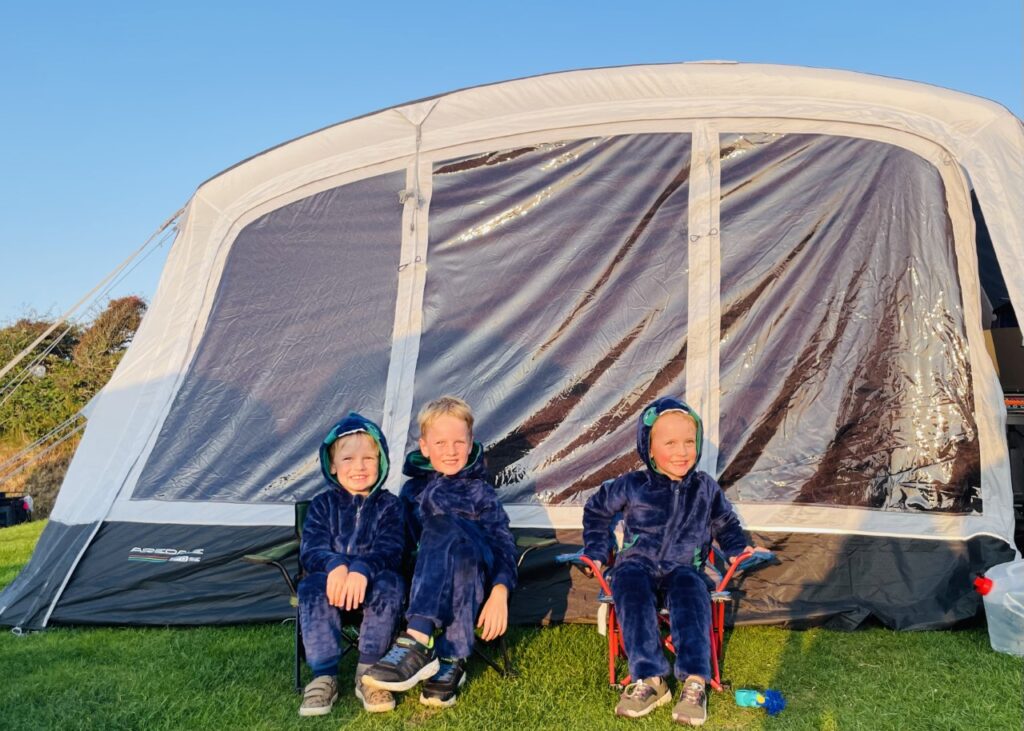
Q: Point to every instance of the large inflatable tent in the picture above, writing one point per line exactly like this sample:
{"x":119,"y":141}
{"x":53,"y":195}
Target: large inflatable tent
{"x":790,"y":250}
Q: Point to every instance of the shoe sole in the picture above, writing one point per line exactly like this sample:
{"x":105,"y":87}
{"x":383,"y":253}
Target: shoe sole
{"x":689,"y":721}
{"x":318,"y":710}
{"x":397,"y":686}
{"x":639,"y":714}
{"x":374,"y":707}
{"x":428,"y":700}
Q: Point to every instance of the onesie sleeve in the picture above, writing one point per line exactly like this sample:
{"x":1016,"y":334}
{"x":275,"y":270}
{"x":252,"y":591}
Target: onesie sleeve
{"x":598,"y":514}
{"x":726,"y":528}
{"x":495,"y":523}
{"x":407,"y":498}
{"x":316,"y":549}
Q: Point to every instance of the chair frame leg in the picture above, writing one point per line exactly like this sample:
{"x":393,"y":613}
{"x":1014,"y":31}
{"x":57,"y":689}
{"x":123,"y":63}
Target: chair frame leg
{"x":613,"y":646}
{"x":300,"y":654}
{"x":505,"y":670}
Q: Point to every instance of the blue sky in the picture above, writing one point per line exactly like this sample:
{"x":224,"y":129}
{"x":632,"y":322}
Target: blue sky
{"x":113,"y":113}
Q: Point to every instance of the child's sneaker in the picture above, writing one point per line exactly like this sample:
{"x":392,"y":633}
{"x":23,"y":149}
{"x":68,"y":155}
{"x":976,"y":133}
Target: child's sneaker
{"x":374,"y":700}
{"x":407,"y":663}
{"x":642,"y":697}
{"x":319,"y":696}
{"x":692,"y":707}
{"x":442,"y":690}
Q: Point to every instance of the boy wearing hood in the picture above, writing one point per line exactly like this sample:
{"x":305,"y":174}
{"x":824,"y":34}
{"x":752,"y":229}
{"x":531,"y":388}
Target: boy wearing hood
{"x":353,"y":542}
{"x":466,"y":552}
{"x":671,"y":512}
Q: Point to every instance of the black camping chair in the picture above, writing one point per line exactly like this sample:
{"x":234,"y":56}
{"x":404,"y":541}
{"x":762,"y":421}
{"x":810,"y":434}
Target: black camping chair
{"x":525,"y":544}
{"x":281,"y":555}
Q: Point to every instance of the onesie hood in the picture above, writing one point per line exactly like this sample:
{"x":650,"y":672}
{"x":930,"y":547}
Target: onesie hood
{"x":355,"y":424}
{"x":646,"y":422}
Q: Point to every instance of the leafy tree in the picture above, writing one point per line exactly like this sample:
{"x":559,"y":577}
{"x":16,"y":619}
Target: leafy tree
{"x":71,"y":370}
{"x":74,"y":363}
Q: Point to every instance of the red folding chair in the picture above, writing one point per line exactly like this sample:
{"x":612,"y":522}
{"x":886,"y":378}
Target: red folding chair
{"x":720,"y":596}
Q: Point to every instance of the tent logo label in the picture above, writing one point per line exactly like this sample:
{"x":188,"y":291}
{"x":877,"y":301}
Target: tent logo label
{"x":165,"y":555}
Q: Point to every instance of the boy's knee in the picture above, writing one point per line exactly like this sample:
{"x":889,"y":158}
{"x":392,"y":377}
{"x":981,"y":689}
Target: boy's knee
{"x":630,"y":574}
{"x":687,"y":578}
{"x":388,"y":586}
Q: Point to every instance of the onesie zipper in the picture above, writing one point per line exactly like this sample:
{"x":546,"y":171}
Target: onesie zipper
{"x":355,"y":531}
{"x":666,"y":540}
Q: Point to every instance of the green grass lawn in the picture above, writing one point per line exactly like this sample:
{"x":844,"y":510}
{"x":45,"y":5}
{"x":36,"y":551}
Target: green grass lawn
{"x":239,"y":678}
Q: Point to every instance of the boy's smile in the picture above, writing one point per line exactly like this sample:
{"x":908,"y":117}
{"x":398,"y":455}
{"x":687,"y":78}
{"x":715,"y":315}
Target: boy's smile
{"x":355,"y":464}
{"x":446,"y":443}
{"x":674,"y":444}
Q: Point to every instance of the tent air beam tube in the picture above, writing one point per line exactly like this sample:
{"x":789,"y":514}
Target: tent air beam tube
{"x":704,"y":298}
{"x":408,"y":327}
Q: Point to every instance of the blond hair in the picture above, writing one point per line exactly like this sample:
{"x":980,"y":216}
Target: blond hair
{"x":336,"y":444}
{"x":445,"y":406}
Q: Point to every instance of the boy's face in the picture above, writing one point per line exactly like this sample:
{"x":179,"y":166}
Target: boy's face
{"x":354,"y":463}
{"x":446,"y":443}
{"x":674,"y":444}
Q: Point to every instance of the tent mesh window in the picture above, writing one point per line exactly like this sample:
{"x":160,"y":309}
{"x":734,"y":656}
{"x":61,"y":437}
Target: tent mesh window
{"x":299,"y":333}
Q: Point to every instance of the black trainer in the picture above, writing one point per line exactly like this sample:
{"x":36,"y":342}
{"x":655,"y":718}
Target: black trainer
{"x":442,"y":690}
{"x":406,"y":663}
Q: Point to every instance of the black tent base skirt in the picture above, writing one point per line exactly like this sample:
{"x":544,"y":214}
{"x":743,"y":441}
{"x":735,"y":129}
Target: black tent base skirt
{"x":144,"y":574}
{"x":837,"y":581}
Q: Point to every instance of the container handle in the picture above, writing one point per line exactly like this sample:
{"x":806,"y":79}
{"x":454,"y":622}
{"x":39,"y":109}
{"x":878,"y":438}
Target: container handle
{"x":1014,"y":605}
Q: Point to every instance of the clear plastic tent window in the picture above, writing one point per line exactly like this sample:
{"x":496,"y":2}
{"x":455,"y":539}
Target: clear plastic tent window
{"x":556,"y":301}
{"x":845,"y":377}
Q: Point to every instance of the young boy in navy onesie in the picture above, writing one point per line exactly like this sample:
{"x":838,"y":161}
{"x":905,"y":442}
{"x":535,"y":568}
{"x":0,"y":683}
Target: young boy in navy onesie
{"x":466,"y":562}
{"x":353,"y":542}
{"x":671,"y":512}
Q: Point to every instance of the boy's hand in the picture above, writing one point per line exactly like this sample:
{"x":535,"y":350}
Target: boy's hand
{"x":494,"y":615}
{"x":354,"y":592}
{"x":589,"y":571}
{"x":753,"y":560}
{"x":336,"y":584}
{"x":748,"y":548}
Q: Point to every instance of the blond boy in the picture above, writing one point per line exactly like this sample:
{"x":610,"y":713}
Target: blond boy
{"x":466,"y":564}
{"x":353,"y":542}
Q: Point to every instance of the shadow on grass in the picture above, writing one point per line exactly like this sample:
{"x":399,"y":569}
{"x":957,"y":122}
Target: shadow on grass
{"x":844,"y":669}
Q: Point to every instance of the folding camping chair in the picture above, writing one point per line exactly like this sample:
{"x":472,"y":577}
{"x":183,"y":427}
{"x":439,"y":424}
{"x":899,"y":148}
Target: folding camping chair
{"x":280,"y":555}
{"x":719,"y":597}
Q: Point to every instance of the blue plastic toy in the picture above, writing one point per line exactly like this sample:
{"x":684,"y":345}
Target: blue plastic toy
{"x":770,"y":700}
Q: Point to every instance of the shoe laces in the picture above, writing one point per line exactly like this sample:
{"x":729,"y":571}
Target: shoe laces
{"x":447,"y":672}
{"x":639,"y":689}
{"x":693,"y":692}
{"x":395,"y":655}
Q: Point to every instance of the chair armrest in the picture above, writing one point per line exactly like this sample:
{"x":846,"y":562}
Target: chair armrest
{"x":274,"y":554}
{"x":529,"y":542}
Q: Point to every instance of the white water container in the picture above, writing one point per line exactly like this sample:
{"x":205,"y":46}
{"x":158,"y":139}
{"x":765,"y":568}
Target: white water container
{"x":1004,"y":607}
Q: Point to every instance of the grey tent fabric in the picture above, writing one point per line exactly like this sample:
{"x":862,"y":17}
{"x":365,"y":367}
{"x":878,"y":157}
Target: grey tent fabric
{"x":792,"y":251}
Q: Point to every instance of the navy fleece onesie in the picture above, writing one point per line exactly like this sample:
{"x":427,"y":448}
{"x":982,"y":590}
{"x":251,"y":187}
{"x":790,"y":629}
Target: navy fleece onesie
{"x":668,"y":528}
{"x":465,"y":548}
{"x":366,"y":534}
